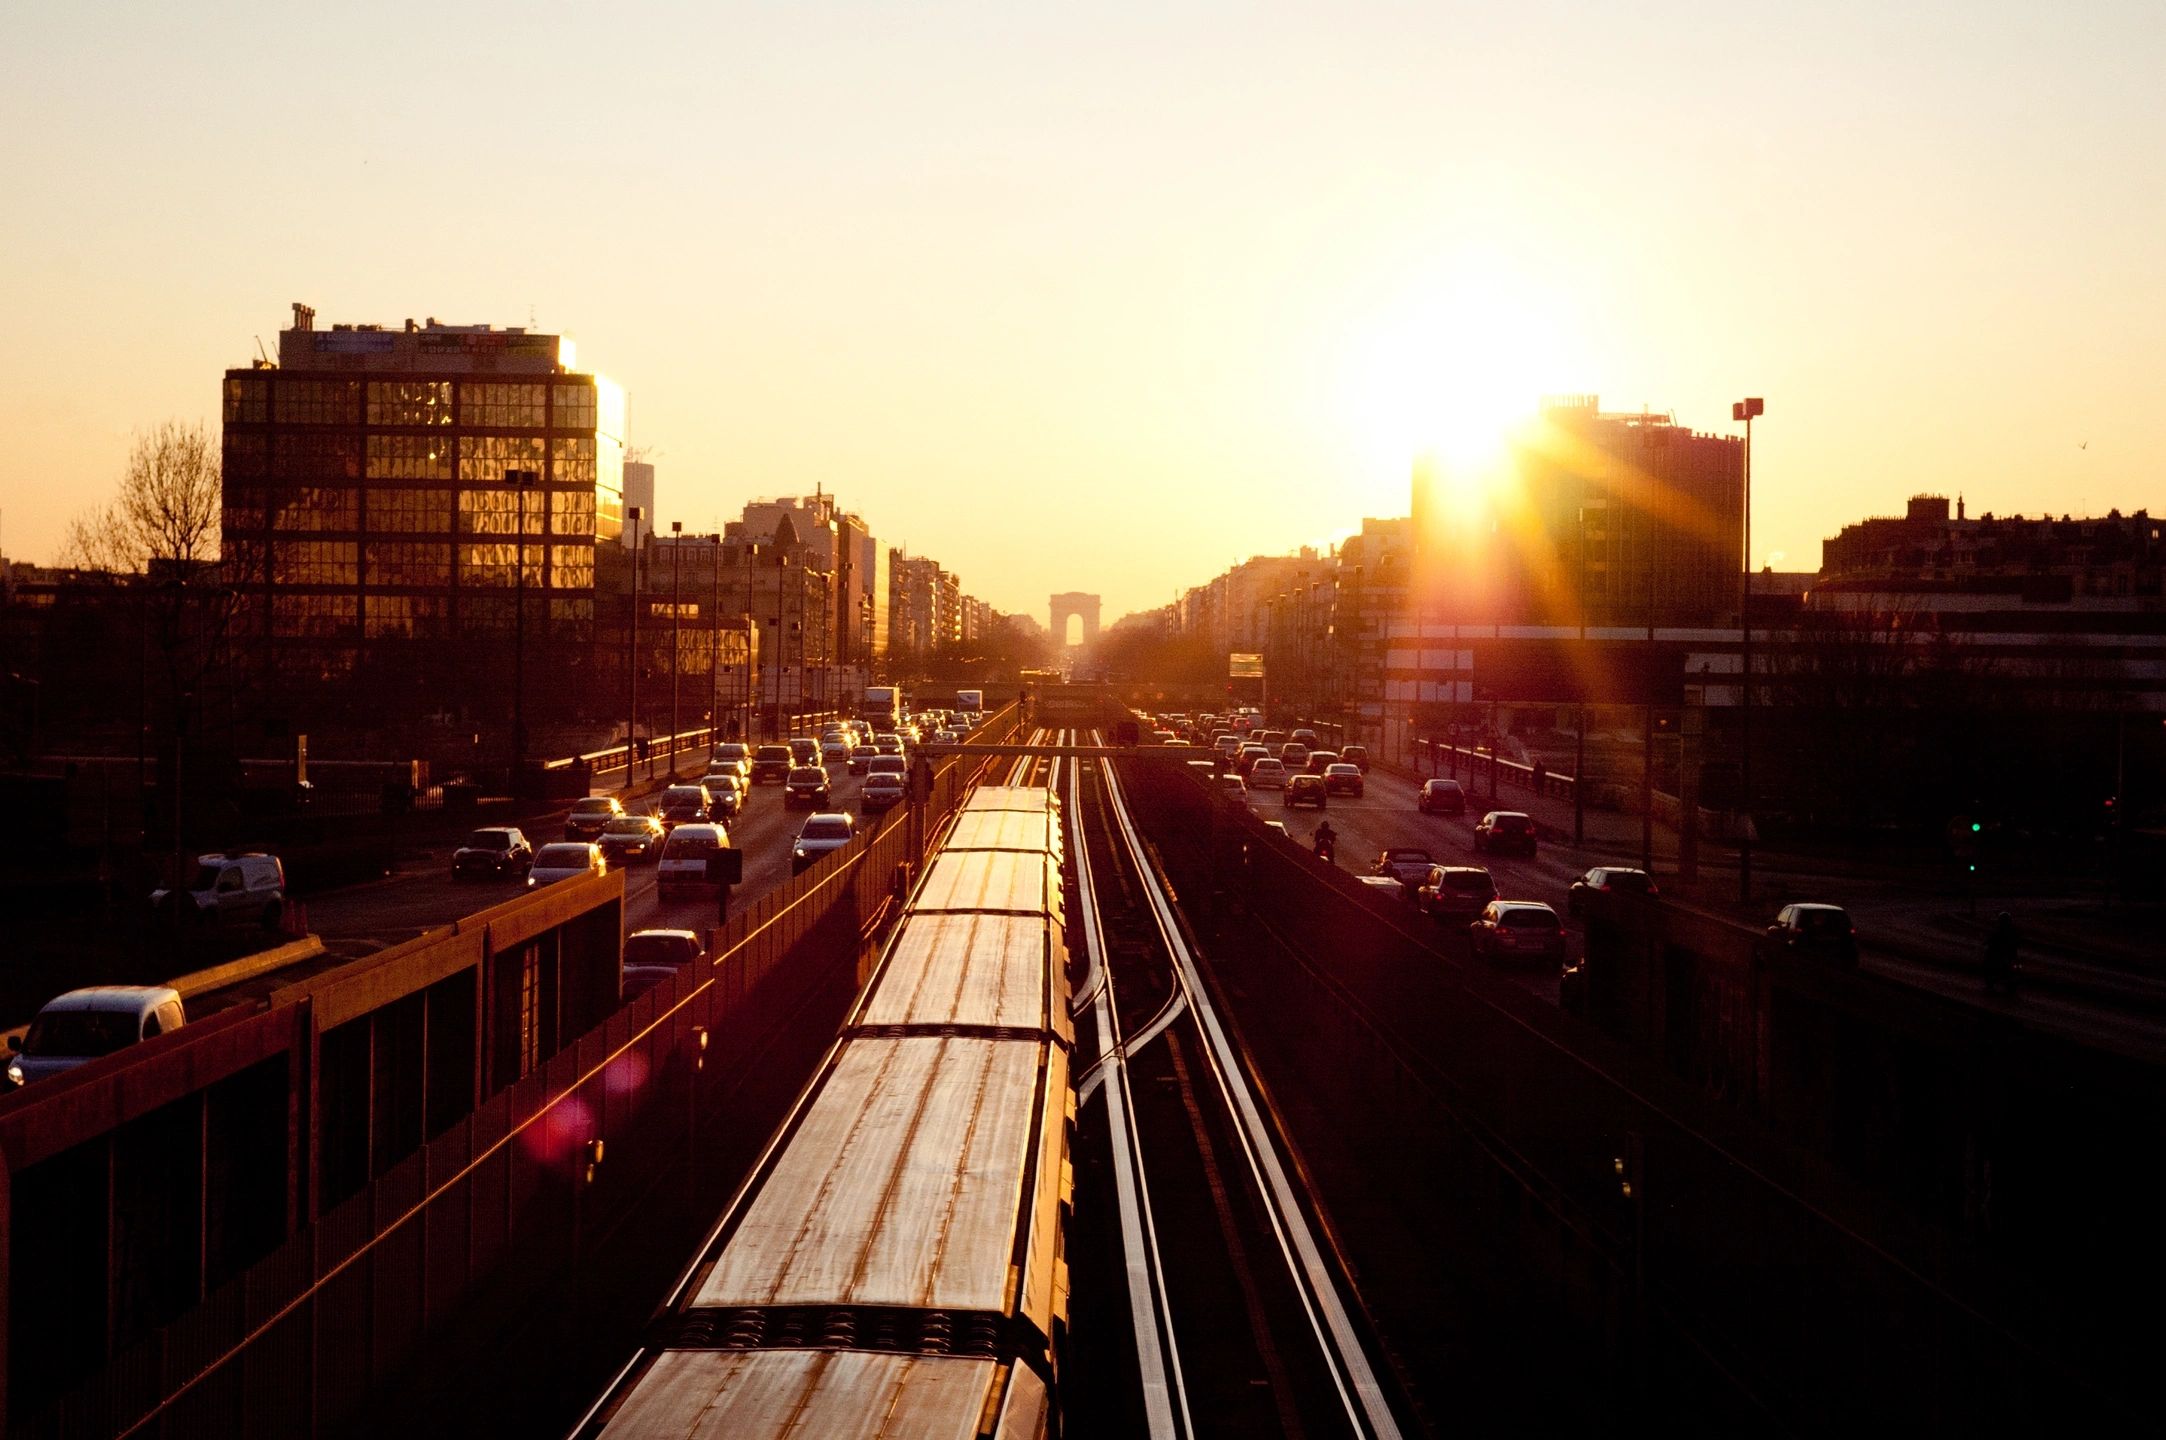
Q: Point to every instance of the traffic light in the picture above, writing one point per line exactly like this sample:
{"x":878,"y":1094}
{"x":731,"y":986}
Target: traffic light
{"x":1975,"y":827}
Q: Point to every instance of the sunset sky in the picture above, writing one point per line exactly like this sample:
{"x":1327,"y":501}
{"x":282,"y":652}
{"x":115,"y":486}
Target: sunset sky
{"x":1106,"y":297}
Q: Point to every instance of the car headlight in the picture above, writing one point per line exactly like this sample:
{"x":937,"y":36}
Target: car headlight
{"x":15,"y":1072}
{"x":798,"y":851}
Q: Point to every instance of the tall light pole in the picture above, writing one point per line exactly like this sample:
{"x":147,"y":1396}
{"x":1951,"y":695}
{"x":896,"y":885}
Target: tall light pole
{"x":714,"y":650}
{"x":631,"y":655}
{"x":1579,"y":740}
{"x":676,"y":631}
{"x":1656,"y":442}
{"x":1745,"y":410}
{"x":520,"y":482}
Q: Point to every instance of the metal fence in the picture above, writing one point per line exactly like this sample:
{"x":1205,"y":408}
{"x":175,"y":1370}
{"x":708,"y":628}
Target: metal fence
{"x":475,"y":1286}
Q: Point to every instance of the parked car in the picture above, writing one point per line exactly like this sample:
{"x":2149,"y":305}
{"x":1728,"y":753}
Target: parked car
{"x":84,"y":1024}
{"x":1267,"y":774}
{"x":1455,"y":894}
{"x":686,"y":804}
{"x":806,"y":785}
{"x":565,"y":860}
{"x":1306,"y":790}
{"x":493,"y":853}
{"x":683,"y":866}
{"x":1441,"y":797}
{"x":770,"y":765}
{"x":829,"y":830}
{"x":1823,"y":931}
{"x":1517,"y":930}
{"x":1608,"y":877}
{"x":1502,"y":830}
{"x":881,"y":792}
{"x":730,"y":793}
{"x":232,"y":887}
{"x":1355,"y":755}
{"x":589,"y":816}
{"x":633,"y":840}
{"x":1404,"y":863}
{"x":1344,"y":779}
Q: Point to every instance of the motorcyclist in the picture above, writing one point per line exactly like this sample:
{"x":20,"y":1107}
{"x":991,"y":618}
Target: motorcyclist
{"x":1327,"y":843}
{"x":2000,"y":954}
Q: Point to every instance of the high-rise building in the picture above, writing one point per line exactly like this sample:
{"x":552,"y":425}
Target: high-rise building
{"x":373,"y":526}
{"x":639,"y":495}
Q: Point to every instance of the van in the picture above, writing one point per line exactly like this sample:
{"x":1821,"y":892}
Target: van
{"x":228,"y":888}
{"x":84,"y":1024}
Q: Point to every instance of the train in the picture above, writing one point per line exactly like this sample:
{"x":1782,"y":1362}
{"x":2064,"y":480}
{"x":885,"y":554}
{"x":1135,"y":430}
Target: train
{"x":896,"y":1263}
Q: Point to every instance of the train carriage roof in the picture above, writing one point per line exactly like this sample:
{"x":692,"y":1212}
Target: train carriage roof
{"x":832,"y":1394}
{"x":1034,"y":830}
{"x":971,"y":969}
{"x":1009,"y":797}
{"x":1012,"y":881}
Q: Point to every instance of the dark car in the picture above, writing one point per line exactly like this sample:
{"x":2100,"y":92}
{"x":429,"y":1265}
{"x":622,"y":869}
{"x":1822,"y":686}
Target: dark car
{"x":1306,"y":790}
{"x":652,"y":956}
{"x":771,"y":765}
{"x":589,"y":817}
{"x":805,"y":785}
{"x":1320,"y":761}
{"x":1355,"y":755}
{"x":1441,"y":797}
{"x":1505,"y":830}
{"x":1608,"y":878}
{"x":493,"y":854}
{"x":804,"y":750}
{"x":1455,"y":893}
{"x":1824,"y":931}
{"x":633,"y":840}
{"x":881,"y":792}
{"x":1517,"y":930}
{"x":1343,"y":779}
{"x":822,"y":833}
{"x":686,"y":805}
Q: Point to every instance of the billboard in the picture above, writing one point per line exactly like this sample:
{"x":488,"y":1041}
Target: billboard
{"x":1244,"y":667}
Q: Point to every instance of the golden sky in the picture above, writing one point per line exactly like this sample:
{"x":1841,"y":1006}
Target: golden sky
{"x":1107,"y":297}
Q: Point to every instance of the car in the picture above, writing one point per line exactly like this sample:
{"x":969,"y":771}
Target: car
{"x":1517,"y":930}
{"x":1306,"y":736}
{"x":1227,"y":746}
{"x":1265,"y":773}
{"x":732,"y":755}
{"x":1204,"y":770}
{"x":882,"y":792}
{"x":827,"y":831}
{"x":1306,"y":790}
{"x":1294,"y":755}
{"x":493,"y":853}
{"x":244,"y":887}
{"x":1384,"y":883}
{"x":804,"y":750}
{"x":1608,"y":877}
{"x":1441,"y":797}
{"x":686,"y":803}
{"x":565,"y":860}
{"x":662,"y":947}
{"x":589,"y":816}
{"x":1248,"y":755}
{"x":84,"y":1024}
{"x":836,"y":751}
{"x":1355,"y":755}
{"x":683,"y":866}
{"x":771,"y":765}
{"x":633,"y":840}
{"x":729,"y":791}
{"x":887,"y":765}
{"x":805,"y":785}
{"x":1344,"y":779}
{"x":1455,"y":893}
{"x":1407,"y":864}
{"x":887,"y":744}
{"x":1321,"y":760}
{"x":1501,"y":830}
{"x":1234,"y":788}
{"x":1824,"y":931}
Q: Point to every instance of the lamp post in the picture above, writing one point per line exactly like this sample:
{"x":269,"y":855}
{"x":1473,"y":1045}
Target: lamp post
{"x":631,"y":656}
{"x":676,"y":632}
{"x":714,"y":650}
{"x":1745,"y":410}
{"x":1579,"y":740}
{"x":1655,"y":442}
{"x":520,"y":481}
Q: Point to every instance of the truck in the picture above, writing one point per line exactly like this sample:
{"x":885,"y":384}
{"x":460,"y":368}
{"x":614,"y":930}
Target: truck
{"x":970,"y":702}
{"x":882,"y":707}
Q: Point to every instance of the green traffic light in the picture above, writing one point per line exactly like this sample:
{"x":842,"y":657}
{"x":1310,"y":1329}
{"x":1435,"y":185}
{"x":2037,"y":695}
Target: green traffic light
{"x":1975,"y":827}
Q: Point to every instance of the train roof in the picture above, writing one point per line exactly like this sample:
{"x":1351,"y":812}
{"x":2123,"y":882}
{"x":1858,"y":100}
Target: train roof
{"x":833,"y":1394}
{"x":1013,"y":881}
{"x":914,"y":1180}
{"x":1005,"y":971}
{"x":1005,"y":830}
{"x":1008,"y":797}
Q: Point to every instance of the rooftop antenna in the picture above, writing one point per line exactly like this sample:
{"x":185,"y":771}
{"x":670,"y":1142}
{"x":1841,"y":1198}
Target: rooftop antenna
{"x":259,"y":352}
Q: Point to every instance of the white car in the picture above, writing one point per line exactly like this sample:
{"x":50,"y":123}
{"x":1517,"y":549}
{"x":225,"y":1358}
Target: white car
{"x":234,"y":887}
{"x":683,"y":866}
{"x":1267,"y":774}
{"x":84,"y":1024}
{"x":1234,"y":788}
{"x":566,"y":860}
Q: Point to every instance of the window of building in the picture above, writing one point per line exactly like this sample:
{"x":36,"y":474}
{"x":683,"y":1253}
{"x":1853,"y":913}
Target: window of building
{"x":317,"y":402}
{"x":572,"y":513}
{"x":315,"y":562}
{"x":571,"y":462}
{"x":496,"y":511}
{"x":574,"y":407}
{"x":409,"y":402}
{"x":408,"y":563}
{"x":332,"y":616}
{"x":485,"y":614}
{"x":243,"y":507}
{"x":248,"y":399}
{"x":490,"y":565}
{"x":409,"y":510}
{"x":241,"y":557}
{"x":404,"y":617}
{"x":409,"y":457}
{"x":571,"y":619}
{"x":317,"y":457}
{"x":487,"y":457}
{"x":314,"y":507}
{"x":493,"y":405}
{"x":571,"y":567}
{"x":245,"y":455}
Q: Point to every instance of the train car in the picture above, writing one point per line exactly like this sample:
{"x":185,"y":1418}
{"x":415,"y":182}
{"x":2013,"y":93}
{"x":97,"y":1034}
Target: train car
{"x":896,"y":1265}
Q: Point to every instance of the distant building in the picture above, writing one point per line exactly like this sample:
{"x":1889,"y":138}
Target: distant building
{"x":369,"y":528}
{"x":639,"y":495}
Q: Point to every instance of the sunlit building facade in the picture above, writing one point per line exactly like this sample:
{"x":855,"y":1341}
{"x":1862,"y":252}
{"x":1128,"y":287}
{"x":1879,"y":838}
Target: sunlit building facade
{"x":367,"y":509}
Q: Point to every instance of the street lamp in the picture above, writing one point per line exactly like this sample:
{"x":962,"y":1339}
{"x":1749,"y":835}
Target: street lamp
{"x":714,"y":650}
{"x":631,"y":655}
{"x":521,"y":481}
{"x":1656,"y":442}
{"x":676,"y":630}
{"x":1746,"y":410}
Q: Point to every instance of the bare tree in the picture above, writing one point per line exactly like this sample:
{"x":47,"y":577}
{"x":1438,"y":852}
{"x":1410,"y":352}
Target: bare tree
{"x":167,"y":511}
